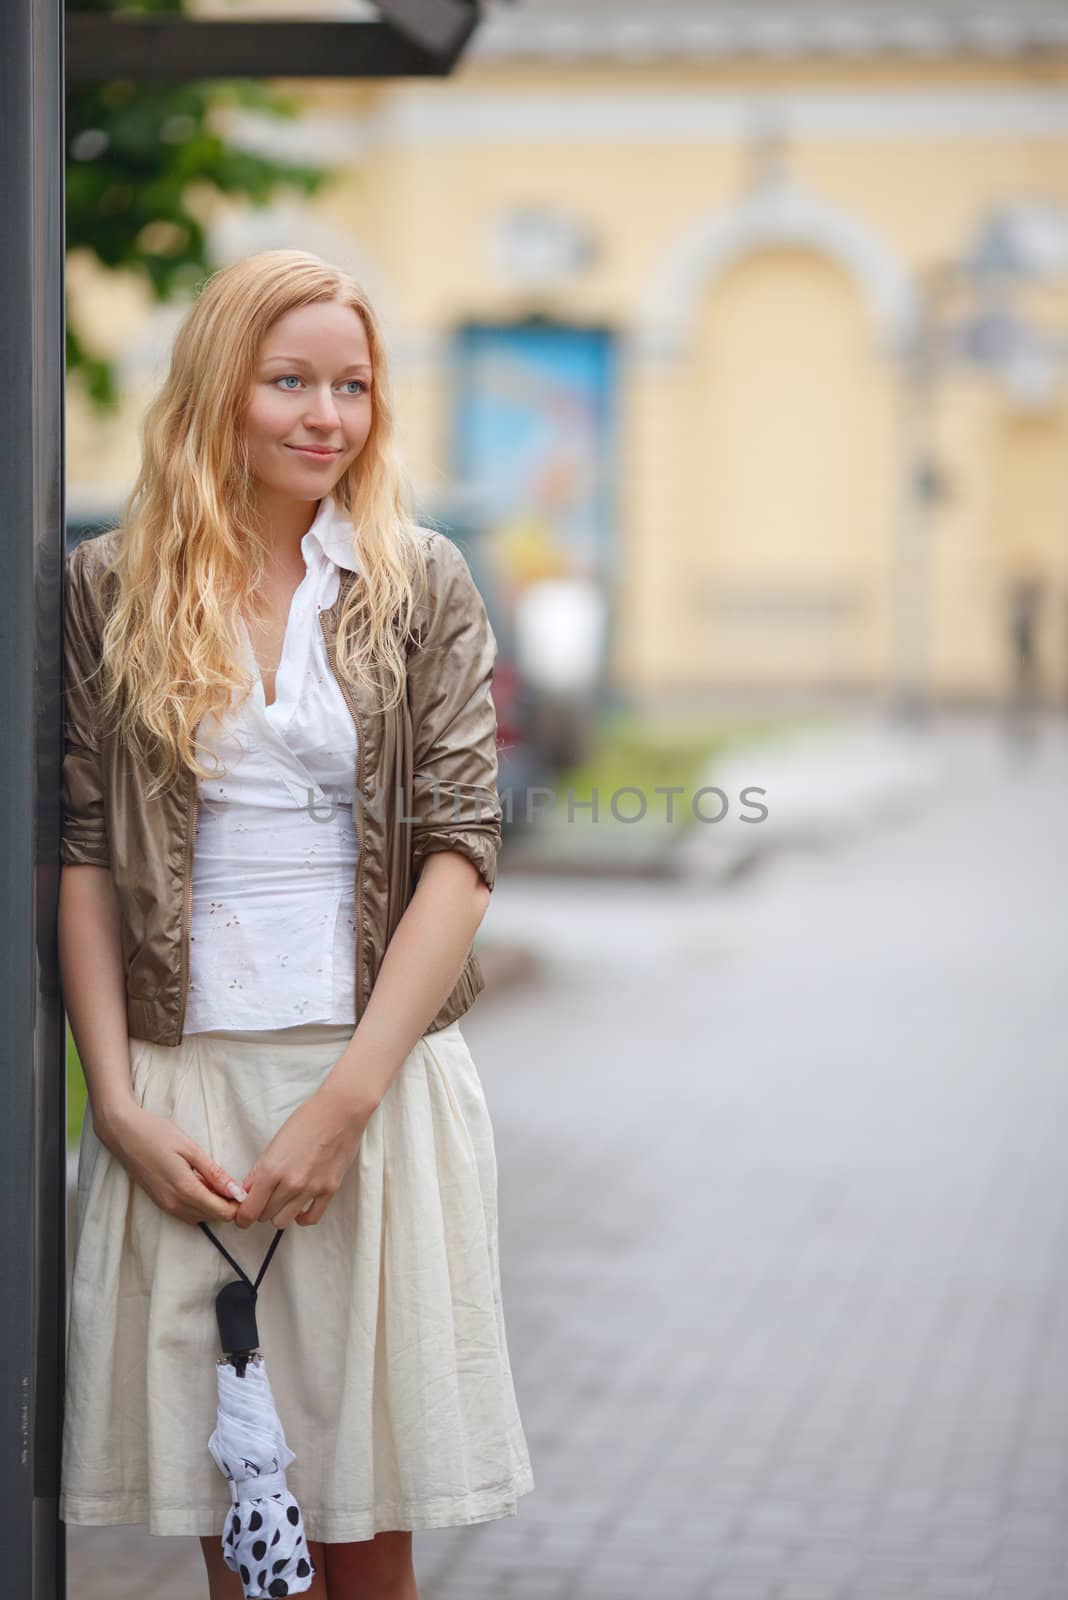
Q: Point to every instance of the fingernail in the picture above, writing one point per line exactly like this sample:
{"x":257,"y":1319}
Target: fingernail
{"x":236,"y":1190}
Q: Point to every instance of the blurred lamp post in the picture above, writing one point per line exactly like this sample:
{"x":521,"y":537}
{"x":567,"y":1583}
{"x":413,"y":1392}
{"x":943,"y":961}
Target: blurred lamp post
{"x":1017,"y":245}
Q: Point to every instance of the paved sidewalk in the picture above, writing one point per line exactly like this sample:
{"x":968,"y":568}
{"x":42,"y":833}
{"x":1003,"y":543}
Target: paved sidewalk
{"x":785,"y":1217}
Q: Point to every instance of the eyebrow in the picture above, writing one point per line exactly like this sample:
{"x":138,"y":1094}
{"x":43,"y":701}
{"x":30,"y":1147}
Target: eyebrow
{"x":296,"y":361}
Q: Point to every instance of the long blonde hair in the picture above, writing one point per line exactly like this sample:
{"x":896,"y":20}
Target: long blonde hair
{"x":190,"y":551}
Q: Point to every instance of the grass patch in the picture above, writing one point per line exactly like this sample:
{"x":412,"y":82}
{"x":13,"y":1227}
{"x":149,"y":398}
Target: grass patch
{"x":645,"y":752}
{"x":77,"y":1093}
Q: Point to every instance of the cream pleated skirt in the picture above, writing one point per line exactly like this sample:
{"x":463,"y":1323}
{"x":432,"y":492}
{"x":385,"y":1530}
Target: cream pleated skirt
{"x":381,"y":1326}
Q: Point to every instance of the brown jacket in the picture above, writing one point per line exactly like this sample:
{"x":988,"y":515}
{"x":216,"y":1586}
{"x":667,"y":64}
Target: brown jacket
{"x":426,"y":780}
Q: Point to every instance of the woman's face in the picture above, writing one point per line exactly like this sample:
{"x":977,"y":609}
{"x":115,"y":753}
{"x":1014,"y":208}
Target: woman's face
{"x":311,"y":386}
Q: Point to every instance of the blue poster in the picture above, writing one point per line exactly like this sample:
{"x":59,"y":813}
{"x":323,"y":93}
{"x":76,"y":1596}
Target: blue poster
{"x":533,"y":442}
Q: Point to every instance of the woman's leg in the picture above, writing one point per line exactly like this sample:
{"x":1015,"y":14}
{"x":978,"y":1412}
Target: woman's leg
{"x":226,"y":1585}
{"x":372,"y":1569}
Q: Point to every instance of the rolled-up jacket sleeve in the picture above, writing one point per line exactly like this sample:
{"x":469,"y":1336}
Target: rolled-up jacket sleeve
{"x":84,"y":837}
{"x":455,"y":803}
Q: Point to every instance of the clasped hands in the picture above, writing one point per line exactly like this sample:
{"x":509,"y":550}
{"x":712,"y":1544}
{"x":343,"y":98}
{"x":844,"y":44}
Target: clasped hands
{"x":301,"y":1170}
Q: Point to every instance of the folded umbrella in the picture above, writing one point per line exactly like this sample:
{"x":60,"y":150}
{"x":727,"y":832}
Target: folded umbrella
{"x":263,"y":1539}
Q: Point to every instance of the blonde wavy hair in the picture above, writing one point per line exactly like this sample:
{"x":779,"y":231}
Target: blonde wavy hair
{"x":191,"y":554}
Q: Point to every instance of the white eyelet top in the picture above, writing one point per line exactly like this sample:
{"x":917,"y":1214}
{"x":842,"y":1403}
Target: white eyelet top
{"x":272,"y":939}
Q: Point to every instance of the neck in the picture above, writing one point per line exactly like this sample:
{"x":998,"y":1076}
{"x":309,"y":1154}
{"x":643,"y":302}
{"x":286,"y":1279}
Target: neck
{"x":284,"y":522}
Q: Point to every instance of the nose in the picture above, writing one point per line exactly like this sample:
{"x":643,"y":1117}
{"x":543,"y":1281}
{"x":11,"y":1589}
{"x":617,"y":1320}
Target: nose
{"x":322,"y":409}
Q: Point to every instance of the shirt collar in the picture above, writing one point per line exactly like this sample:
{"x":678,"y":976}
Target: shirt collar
{"x":332,"y":531}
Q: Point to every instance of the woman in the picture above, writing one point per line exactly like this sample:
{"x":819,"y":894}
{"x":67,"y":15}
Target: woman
{"x":281,"y":826}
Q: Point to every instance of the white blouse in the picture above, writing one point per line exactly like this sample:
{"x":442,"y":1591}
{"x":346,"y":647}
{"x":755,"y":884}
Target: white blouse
{"x":272,"y":939}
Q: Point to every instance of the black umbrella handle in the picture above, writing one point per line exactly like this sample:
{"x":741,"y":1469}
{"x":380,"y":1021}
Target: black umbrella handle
{"x":235,"y":1306}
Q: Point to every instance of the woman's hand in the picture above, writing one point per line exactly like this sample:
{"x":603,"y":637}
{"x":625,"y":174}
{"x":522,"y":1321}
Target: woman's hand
{"x":304,"y":1164}
{"x":171,"y":1167}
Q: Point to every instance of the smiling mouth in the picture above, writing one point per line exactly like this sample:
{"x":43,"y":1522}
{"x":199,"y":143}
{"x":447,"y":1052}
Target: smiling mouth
{"x":312,"y":450}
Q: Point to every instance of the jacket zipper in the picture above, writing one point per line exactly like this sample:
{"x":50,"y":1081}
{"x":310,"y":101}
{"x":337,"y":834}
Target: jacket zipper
{"x":191,"y":816}
{"x":331,"y":653}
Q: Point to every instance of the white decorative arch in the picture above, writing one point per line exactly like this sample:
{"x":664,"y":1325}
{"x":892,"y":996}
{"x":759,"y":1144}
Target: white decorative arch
{"x":778,"y":213}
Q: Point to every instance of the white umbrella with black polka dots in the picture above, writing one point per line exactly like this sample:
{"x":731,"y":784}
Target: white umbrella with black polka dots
{"x":263,"y":1539}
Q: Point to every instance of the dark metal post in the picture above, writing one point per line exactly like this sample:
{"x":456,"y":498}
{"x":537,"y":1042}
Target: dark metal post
{"x":33,"y":1125}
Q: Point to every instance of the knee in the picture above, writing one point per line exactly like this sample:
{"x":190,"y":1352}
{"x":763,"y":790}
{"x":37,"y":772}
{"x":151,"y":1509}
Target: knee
{"x":371,"y":1569}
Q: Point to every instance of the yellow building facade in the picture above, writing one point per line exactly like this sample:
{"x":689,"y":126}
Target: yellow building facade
{"x":831,"y":272}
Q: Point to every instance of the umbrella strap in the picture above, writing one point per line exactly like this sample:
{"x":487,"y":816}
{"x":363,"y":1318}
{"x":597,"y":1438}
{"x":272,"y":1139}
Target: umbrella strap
{"x":236,"y":1265}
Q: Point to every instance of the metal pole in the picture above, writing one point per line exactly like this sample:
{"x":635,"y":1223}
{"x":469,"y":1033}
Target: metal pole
{"x":33,"y":1128}
{"x":927,"y":355}
{"x":911,"y":685}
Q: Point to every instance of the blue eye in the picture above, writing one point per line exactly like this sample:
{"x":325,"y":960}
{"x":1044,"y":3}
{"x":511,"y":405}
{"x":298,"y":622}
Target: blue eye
{"x":285,"y":377}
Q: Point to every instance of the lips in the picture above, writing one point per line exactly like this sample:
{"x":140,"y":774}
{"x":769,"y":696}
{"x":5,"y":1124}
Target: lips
{"x":313,"y":450}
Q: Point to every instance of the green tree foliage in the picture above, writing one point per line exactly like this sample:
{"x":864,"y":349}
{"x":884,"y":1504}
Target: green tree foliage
{"x":140,"y":159}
